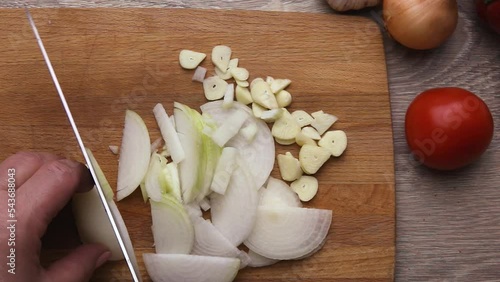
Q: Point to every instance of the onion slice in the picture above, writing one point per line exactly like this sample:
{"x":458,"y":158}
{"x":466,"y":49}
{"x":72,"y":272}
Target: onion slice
{"x":259,"y":155}
{"x":288,"y":233}
{"x":173,"y":231}
{"x":169,"y":134}
{"x":190,"y":268}
{"x":257,"y":260}
{"x":134,"y":155}
{"x":278,"y":194}
{"x":197,"y":169}
{"x":234,"y":213}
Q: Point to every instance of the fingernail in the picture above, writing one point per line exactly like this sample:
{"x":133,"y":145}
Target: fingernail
{"x":102,"y":259}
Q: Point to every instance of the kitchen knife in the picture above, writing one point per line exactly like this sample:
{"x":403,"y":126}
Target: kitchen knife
{"x":126,"y":255}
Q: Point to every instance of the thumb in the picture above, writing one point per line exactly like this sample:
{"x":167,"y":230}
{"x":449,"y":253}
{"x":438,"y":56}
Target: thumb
{"x":79,"y":265}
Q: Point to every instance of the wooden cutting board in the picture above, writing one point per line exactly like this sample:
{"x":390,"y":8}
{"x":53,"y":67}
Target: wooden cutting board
{"x":109,"y":60}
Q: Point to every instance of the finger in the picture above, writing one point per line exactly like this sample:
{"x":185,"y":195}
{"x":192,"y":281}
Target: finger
{"x":49,"y":190}
{"x":79,"y":264}
{"x":23,"y":165}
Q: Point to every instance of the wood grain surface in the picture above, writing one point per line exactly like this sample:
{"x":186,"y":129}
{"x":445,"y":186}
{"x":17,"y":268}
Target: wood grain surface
{"x":110,"y":60}
{"x":448,"y":225}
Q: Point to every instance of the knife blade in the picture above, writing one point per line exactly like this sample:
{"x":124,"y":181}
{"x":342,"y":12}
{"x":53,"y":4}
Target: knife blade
{"x":112,"y":221}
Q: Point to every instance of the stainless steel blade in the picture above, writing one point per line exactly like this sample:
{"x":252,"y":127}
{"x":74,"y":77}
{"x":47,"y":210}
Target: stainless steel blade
{"x":133,"y":271}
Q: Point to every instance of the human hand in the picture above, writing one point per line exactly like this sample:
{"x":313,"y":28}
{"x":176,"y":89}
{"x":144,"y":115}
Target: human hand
{"x":34,"y":187}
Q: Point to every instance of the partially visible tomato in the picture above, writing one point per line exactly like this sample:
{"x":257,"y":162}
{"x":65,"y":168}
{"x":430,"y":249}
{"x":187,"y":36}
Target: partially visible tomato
{"x":489,"y":12}
{"x":448,"y":128}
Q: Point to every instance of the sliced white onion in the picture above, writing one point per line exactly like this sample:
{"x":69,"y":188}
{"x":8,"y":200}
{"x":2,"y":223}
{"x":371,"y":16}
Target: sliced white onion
{"x":288,"y":233}
{"x":134,"y":155}
{"x":169,"y":134}
{"x":278,"y":194}
{"x":154,"y":183}
{"x":234,"y":213}
{"x":209,"y":241}
{"x":259,"y":155}
{"x":156,"y":144}
{"x":205,"y":204}
{"x":196,"y":170}
{"x":224,"y":169}
{"x":228,"y":97}
{"x":257,"y":260}
{"x":229,"y":128}
{"x":190,"y":268}
{"x":173,"y":231}
{"x":199,"y":74}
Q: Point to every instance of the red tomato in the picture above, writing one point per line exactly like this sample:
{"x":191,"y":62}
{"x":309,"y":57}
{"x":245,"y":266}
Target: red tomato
{"x":489,"y":12}
{"x":448,"y":128}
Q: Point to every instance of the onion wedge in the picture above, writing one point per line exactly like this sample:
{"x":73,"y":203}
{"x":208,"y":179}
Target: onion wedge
{"x":173,"y":231}
{"x":234,"y":213}
{"x":288,"y":233}
{"x":190,"y":268}
{"x":259,"y":155}
{"x":134,"y":155}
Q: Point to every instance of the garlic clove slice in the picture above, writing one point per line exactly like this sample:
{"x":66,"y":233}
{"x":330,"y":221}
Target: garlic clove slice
{"x":221,"y":55}
{"x":306,"y":187}
{"x":312,"y":158}
{"x":335,"y":141}
{"x":214,"y":88}
{"x":302,"y":118}
{"x":190,"y":59}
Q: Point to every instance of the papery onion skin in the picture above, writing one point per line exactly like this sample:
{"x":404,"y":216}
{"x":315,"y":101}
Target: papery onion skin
{"x":421,"y":24}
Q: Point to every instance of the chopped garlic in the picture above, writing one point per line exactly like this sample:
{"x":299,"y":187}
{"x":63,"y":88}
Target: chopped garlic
{"x":284,"y":98}
{"x":306,"y":187}
{"x":311,"y":133}
{"x":285,"y":142}
{"x":257,"y":110}
{"x":302,"y":139}
{"x":302,"y":118}
{"x":221,"y":56}
{"x":242,"y":83}
{"x":279,"y":84}
{"x":335,"y":141}
{"x":323,"y":121}
{"x":285,"y":128}
{"x":289,"y":166}
{"x":190,"y":59}
{"x":239,"y":73}
{"x":271,"y":115}
{"x":262,"y":95}
{"x":233,"y":63}
{"x":312,"y":158}
{"x":214,"y":88}
{"x":269,"y":80}
{"x":243,"y":95}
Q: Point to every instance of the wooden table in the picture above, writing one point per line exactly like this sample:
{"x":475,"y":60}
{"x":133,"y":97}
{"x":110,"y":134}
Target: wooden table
{"x":448,"y":224}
